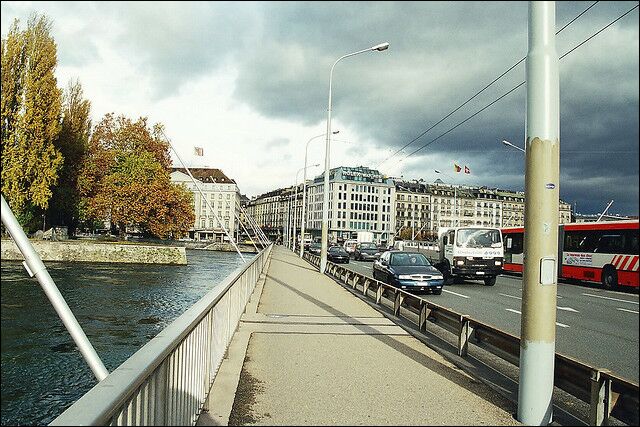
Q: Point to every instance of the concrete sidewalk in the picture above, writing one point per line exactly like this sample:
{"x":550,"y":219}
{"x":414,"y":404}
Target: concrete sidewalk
{"x":307,"y":352}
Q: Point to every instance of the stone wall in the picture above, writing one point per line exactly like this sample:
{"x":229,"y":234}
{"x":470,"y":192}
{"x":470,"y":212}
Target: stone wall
{"x":84,"y":251}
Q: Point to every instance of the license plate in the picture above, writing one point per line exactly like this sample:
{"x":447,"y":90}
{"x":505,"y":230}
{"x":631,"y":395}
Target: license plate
{"x":422,"y":283}
{"x":480,"y":273}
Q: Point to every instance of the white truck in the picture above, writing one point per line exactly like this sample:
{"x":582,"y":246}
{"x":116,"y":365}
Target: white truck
{"x":364,"y":236}
{"x":473,"y":252}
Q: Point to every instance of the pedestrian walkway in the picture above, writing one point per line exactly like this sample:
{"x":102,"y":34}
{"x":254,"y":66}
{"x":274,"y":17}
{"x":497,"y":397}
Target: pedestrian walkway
{"x":308,"y":352}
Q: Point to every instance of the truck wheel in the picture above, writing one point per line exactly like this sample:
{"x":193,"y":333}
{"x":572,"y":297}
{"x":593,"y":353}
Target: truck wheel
{"x":609,"y":278}
{"x":458,"y":280}
{"x":490,"y":281}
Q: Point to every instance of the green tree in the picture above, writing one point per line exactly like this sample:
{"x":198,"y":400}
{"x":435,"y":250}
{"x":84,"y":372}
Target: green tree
{"x":125,"y":180}
{"x":72,"y":143}
{"x":30,"y":161}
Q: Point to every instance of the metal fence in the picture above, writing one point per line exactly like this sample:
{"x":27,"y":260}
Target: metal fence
{"x":167,"y":381}
{"x":607,"y":394}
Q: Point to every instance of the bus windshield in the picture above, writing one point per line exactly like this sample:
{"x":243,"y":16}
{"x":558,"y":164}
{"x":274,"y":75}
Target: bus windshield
{"x":478,"y":238}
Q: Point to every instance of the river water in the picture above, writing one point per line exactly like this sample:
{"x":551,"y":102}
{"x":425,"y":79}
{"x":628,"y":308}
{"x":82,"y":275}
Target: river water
{"x":119,"y":306}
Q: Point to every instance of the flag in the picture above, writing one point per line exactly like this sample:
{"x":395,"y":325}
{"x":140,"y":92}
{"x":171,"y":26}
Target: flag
{"x":456,"y":168}
{"x":199,"y":151}
{"x":466,"y":169}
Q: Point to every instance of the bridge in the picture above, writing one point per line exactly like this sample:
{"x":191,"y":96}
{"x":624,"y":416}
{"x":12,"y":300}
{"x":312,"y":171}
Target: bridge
{"x":280,"y":343}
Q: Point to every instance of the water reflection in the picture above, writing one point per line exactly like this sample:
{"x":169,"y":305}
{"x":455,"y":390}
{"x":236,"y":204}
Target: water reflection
{"x":120,"y":307}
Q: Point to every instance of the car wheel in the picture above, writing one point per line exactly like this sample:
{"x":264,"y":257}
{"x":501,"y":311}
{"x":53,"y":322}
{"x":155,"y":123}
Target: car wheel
{"x":437,"y":292}
{"x":609,"y":278}
{"x":490,"y":281}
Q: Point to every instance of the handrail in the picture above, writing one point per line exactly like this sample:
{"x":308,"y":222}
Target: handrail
{"x":167,"y":381}
{"x":607,"y":394}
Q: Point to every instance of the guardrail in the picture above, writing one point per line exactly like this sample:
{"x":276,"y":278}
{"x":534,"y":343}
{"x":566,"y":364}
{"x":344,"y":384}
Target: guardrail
{"x":607,"y":394}
{"x":167,"y":381}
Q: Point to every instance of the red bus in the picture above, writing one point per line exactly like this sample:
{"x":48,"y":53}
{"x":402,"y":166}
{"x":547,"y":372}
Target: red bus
{"x":604,"y":252}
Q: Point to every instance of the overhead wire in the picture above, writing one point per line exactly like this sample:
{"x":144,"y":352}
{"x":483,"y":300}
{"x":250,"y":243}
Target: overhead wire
{"x":517,"y":86}
{"x":480,"y":91}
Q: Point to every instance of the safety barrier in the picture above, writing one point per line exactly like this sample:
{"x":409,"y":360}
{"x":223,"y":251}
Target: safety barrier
{"x":167,"y":381}
{"x":607,"y":394}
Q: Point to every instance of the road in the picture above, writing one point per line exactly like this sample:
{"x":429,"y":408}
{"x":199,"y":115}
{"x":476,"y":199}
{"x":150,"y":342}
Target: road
{"x":595,"y":326}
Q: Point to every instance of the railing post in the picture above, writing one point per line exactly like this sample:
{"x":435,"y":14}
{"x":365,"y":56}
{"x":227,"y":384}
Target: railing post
{"x":600,"y":407}
{"x":399,"y":298}
{"x":379,"y":293}
{"x":356,"y":279}
{"x":365,"y":286}
{"x":424,"y":315}
{"x":464,"y":332}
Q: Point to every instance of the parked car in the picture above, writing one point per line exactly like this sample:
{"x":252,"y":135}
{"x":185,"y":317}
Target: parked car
{"x":315,"y":248}
{"x":366,"y":251}
{"x":338,"y":255}
{"x":410,"y":271}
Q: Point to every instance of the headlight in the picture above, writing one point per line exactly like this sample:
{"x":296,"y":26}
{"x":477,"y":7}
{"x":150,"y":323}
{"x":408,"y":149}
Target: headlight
{"x":498,"y":262}
{"x":404,"y":277}
{"x":377,"y":254}
{"x":437,"y":277}
{"x":460,"y":262}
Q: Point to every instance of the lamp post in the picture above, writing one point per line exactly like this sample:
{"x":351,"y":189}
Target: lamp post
{"x":304,"y":193}
{"x":295,"y":211}
{"x":325,"y":199}
{"x":507,"y":143}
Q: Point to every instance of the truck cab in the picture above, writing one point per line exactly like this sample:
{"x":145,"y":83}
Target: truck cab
{"x":469,"y":252}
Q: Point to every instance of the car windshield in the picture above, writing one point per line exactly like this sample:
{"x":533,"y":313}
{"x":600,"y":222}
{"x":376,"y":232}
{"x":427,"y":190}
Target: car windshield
{"x":337,"y":250}
{"x":479,"y":238}
{"x":368,"y":246}
{"x":316,"y":245}
{"x":406,"y":259}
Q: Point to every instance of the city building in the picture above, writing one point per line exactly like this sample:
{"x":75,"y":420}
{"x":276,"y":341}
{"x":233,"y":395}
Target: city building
{"x":223,"y":198}
{"x":360,"y":199}
{"x":276,"y":211}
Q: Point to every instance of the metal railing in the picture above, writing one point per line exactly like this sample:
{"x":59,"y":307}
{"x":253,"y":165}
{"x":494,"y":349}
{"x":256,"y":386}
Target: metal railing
{"x":168,"y":380}
{"x":607,"y":394}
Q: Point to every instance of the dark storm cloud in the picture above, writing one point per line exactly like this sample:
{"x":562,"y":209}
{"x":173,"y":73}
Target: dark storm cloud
{"x":440,"y":55}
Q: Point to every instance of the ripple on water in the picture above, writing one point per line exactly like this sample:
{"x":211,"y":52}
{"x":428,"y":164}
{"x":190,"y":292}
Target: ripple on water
{"x":120,"y":307}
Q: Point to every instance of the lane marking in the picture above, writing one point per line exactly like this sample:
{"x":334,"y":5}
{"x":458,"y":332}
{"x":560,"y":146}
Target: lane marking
{"x":510,"y":296}
{"x":455,"y":293}
{"x":568,"y":309}
{"x":613,"y":299}
{"x":628,"y":311}
{"x":562,"y":325}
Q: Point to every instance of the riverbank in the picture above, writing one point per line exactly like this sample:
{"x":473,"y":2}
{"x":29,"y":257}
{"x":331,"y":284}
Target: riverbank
{"x":103,"y":252}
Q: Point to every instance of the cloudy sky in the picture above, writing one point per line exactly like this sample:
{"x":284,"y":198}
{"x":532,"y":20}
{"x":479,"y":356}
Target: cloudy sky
{"x":248,"y":82}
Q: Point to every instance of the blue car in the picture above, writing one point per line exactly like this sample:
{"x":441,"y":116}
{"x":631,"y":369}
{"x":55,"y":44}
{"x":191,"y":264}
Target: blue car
{"x":409,"y":271}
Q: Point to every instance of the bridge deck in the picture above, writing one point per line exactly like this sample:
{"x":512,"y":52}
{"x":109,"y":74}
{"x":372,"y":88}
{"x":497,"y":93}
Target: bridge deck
{"x":308,"y":352}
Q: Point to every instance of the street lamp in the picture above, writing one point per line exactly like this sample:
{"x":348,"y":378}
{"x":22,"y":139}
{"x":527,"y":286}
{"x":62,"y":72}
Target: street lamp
{"x":325,"y":200}
{"x":304,"y":192}
{"x":505,"y":142}
{"x":295,"y":199}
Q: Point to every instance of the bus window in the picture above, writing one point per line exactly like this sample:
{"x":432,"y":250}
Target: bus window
{"x":632,"y":247}
{"x":514,"y":243}
{"x":581,"y":240}
{"x":610,"y":244}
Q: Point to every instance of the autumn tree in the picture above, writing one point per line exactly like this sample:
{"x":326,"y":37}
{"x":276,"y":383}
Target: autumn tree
{"x":125,"y":180}
{"x":30,"y":119}
{"x":72,"y":143}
